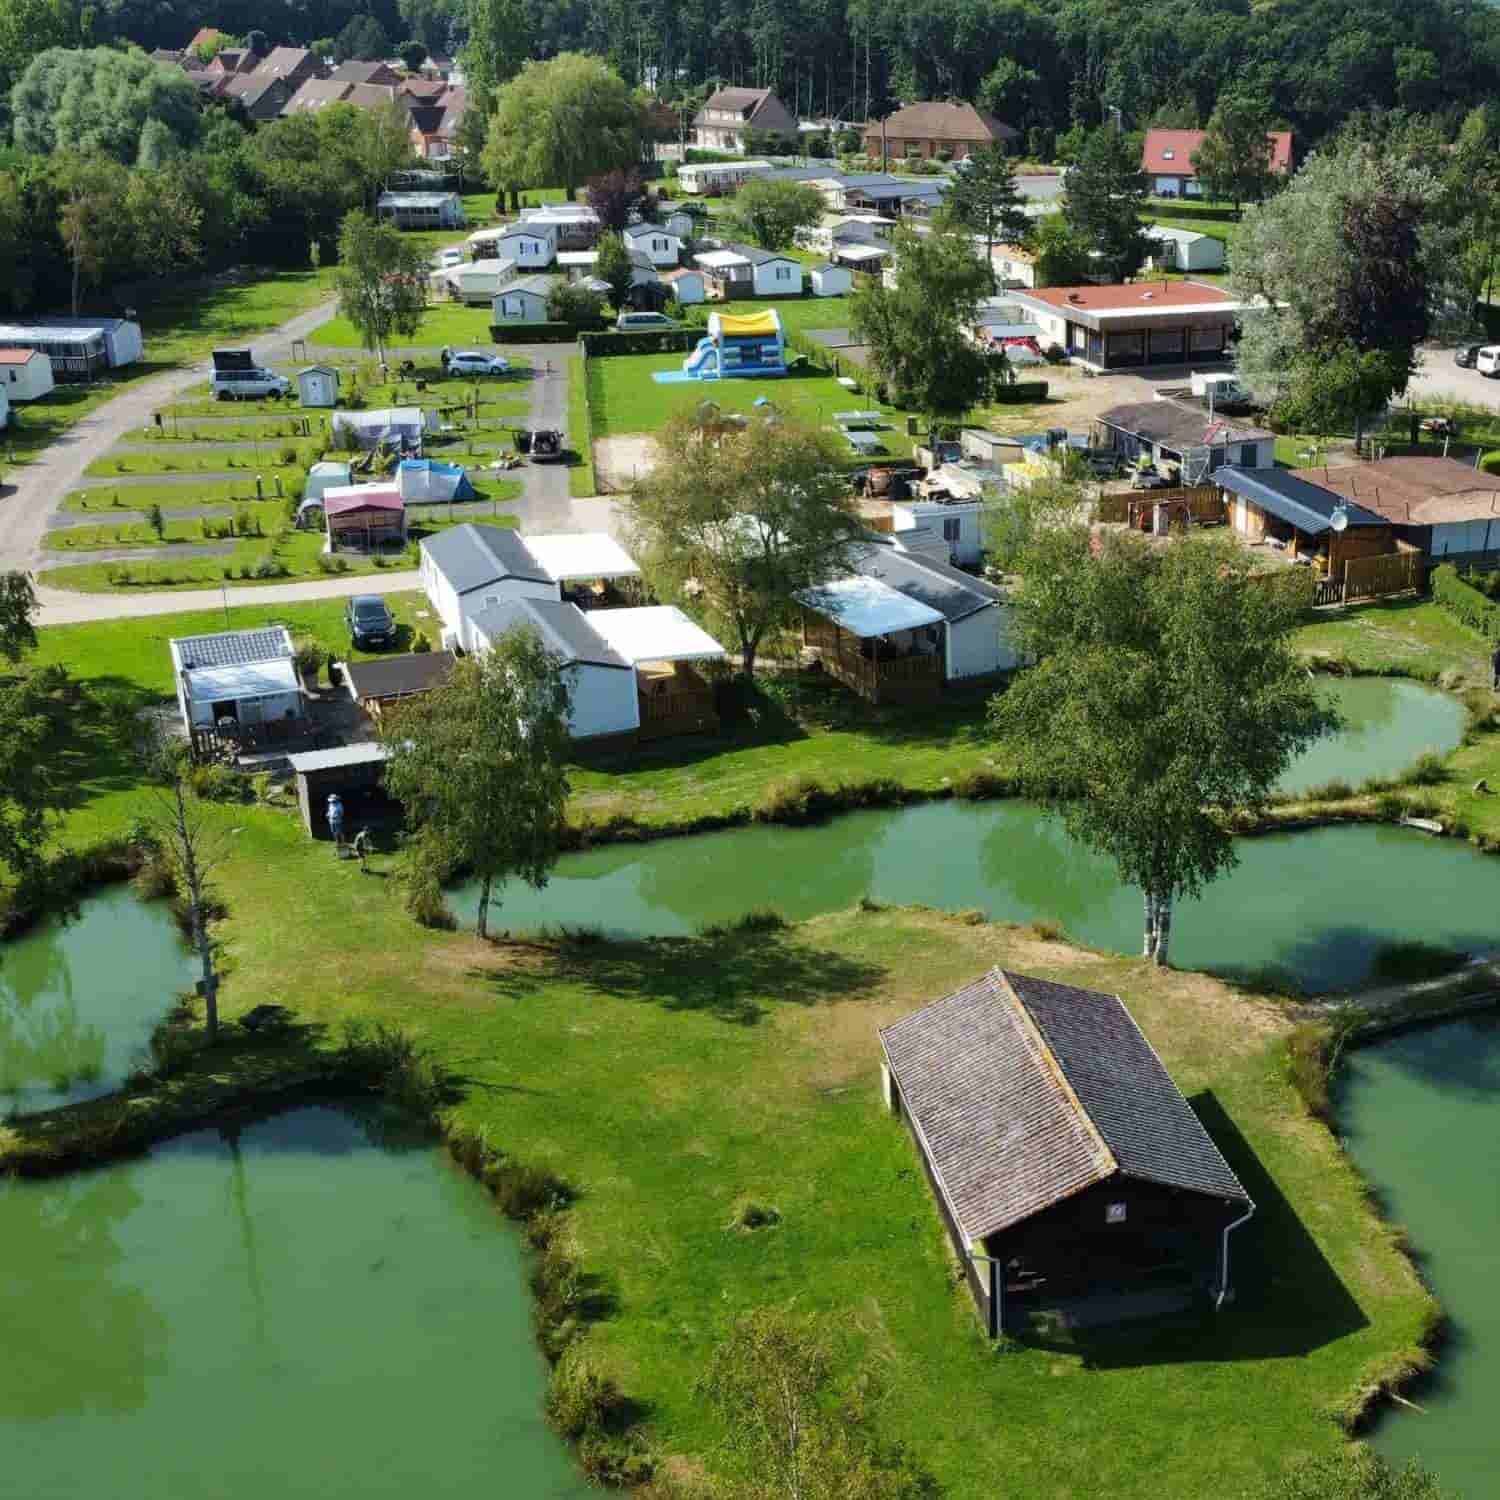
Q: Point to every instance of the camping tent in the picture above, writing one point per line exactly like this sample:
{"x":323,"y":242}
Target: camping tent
{"x":403,"y":425}
{"x":421,"y":479}
{"x":324,"y":476}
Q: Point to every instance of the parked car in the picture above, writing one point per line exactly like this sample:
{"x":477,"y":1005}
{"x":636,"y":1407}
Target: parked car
{"x":1149,"y":479}
{"x":1465,"y":355}
{"x":474,"y":362}
{"x":544,"y":445}
{"x":452,"y":256}
{"x":1487,"y":361}
{"x":643,"y":322}
{"x":237,"y":377}
{"x":370,"y":622}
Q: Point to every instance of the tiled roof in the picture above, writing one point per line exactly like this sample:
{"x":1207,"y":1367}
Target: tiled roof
{"x":234,"y":648}
{"x":935,"y":120}
{"x":1025,"y":1092}
{"x":1170,"y":152}
{"x":1178,"y":426}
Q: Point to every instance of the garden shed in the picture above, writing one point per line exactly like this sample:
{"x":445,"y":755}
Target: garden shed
{"x":356,"y":773}
{"x":25,"y":374}
{"x":829,"y":280}
{"x":376,"y":685}
{"x":318,"y":385}
{"x":1068,"y":1167}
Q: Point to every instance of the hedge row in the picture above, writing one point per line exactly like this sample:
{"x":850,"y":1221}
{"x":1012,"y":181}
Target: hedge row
{"x":533,"y":333}
{"x":1022,"y":390}
{"x":1464,"y":602}
{"x":640,"y":341}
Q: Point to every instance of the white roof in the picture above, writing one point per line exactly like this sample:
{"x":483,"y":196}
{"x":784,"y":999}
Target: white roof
{"x":866,"y":606}
{"x":581,"y":554}
{"x":415,"y":200}
{"x":488,"y":236}
{"x":1177,"y":236}
{"x":391,"y":416}
{"x":261,"y":679}
{"x":366,"y":752}
{"x":47,"y":333}
{"x":716,"y":258}
{"x":846,"y":251}
{"x":577,"y":257}
{"x":658,"y":633}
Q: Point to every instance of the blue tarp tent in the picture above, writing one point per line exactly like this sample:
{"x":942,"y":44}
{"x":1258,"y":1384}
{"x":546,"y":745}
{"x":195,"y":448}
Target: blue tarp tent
{"x":422,"y":479}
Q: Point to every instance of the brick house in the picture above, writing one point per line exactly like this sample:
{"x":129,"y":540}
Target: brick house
{"x":933,"y":129}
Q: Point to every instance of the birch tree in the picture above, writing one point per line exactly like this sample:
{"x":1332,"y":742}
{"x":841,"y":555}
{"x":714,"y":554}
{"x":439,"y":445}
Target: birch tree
{"x":1165,"y":697}
{"x":480,"y":765}
{"x":381,"y":281}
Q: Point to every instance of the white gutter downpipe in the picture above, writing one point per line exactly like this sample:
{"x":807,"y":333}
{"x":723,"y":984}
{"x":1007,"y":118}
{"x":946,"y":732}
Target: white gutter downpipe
{"x":1224,"y":1255}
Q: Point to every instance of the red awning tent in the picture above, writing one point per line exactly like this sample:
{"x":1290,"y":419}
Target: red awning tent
{"x":366,"y":512}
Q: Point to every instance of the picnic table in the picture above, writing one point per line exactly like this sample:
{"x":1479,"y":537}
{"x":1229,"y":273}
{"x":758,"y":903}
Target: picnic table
{"x":861,"y":441}
{"x":848,"y":382}
{"x":858,"y":418}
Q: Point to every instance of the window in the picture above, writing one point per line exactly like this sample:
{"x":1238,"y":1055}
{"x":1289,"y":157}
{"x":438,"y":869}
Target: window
{"x":952,"y":527}
{"x":1114,"y":1213}
{"x":1169,"y":155}
{"x":783,"y":273}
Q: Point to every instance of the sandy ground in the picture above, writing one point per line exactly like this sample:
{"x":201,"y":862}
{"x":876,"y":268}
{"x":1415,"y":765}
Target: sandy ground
{"x":618,"y":461}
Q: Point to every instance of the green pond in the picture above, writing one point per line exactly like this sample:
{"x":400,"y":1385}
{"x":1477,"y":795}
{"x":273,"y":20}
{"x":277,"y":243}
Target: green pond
{"x":298,"y":1306}
{"x":1319,"y":905}
{"x":78,"y":1000}
{"x":1420,"y":1120}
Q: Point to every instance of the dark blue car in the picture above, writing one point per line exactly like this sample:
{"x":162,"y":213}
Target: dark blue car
{"x":370,"y":622}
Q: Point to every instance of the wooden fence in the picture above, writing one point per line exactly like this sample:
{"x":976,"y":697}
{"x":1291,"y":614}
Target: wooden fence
{"x":1391,"y":573}
{"x":1201,"y":502}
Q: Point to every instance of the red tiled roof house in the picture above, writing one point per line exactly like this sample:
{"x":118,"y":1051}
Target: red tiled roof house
{"x":1167,"y":160}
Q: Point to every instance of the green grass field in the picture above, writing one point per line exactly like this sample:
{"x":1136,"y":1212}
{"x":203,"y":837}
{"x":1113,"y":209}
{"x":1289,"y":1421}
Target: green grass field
{"x":445,"y":323}
{"x":581,"y":480}
{"x":176,"y":458}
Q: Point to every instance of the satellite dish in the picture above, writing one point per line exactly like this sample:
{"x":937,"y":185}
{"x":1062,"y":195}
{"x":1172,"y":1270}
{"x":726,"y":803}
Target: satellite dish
{"x":1339,"y":520}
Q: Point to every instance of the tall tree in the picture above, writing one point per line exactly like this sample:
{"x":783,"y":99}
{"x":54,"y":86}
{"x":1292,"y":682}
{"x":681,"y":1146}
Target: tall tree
{"x":1103,"y":198}
{"x":614,"y":268}
{"x":769,"y":214}
{"x":562,"y":122}
{"x":1062,"y":258}
{"x":1233,"y":162}
{"x":362,"y":38}
{"x":92,"y":218}
{"x":985,"y":201}
{"x":18,"y":607}
{"x":1165,"y":696}
{"x":735,"y":525}
{"x":480,"y":767}
{"x":616,"y":195}
{"x":381,"y":280}
{"x":916,"y":328}
{"x":500,"y":39}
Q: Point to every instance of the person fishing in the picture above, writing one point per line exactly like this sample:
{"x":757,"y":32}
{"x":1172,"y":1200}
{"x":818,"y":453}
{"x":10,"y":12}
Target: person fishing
{"x":362,"y":849}
{"x":336,"y":819}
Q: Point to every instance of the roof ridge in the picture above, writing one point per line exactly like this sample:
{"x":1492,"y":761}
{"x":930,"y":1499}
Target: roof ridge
{"x":1054,"y":1070}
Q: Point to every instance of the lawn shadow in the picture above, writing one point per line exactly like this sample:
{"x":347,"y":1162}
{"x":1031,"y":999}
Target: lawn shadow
{"x":1288,"y":1302}
{"x":735,"y":977}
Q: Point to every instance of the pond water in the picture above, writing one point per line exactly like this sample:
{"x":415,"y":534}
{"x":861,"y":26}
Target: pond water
{"x":296,"y":1307}
{"x":1388,"y":723}
{"x":78,"y":1000}
{"x":1319,"y":904}
{"x":1419,"y":1113}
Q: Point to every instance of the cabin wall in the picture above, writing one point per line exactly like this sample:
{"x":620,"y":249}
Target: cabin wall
{"x":604,"y":701}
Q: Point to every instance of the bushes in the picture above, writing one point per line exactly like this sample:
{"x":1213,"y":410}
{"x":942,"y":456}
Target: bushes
{"x":533,"y":333}
{"x":1464,"y":602}
{"x":641,"y":341}
{"x":580,"y":1400}
{"x":1020,"y":391}
{"x":1490,"y":463}
{"x":1307,"y":1058}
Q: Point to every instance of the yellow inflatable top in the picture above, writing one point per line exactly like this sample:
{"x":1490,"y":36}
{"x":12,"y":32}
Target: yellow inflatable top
{"x":749,"y":325}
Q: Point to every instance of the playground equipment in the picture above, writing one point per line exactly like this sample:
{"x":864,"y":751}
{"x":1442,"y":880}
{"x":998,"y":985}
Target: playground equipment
{"x":752,"y":345}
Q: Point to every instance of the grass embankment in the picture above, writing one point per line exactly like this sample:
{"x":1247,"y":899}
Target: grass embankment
{"x":668,"y":1081}
{"x":581,"y":480}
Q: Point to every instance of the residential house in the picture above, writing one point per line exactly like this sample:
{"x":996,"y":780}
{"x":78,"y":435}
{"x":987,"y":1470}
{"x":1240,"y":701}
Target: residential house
{"x":247,"y":676}
{"x":714,"y":177}
{"x":1184,"y":249}
{"x":660,"y":246}
{"x":1175,"y":434}
{"x":1065,"y":1161}
{"x":728,"y":114}
{"x":734,"y":270}
{"x":523,"y":300}
{"x":1014,"y":265}
{"x":231,"y":60}
{"x":947,"y":130}
{"x":262,"y":98}
{"x":293,"y":65}
{"x":314,"y":94}
{"x":863,"y":192}
{"x":686,"y":285}
{"x":1167,"y":160}
{"x":367,"y":71}
{"x":421,"y":210}
{"x":829,"y":280}
{"x":921,"y":202}
{"x":1306,"y":521}
{"x":25,"y":374}
{"x":1124,"y":326}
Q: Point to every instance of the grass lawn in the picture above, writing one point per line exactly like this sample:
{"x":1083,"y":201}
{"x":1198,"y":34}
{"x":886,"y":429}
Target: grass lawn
{"x":624,"y":398}
{"x":261,"y":518}
{"x":103,"y":496}
{"x":581,"y":481}
{"x":175,"y":458}
{"x":797,"y":313}
{"x":445,"y":323}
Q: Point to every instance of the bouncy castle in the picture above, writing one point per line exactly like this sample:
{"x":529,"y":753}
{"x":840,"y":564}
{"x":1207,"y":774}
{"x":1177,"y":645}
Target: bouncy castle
{"x":751,"y":344}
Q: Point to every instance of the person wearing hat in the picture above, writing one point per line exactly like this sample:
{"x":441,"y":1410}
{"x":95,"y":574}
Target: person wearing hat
{"x":336,"y":819}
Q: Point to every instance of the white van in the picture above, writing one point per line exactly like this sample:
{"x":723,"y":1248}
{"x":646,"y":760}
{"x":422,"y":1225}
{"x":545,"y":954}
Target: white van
{"x":1487,"y":361}
{"x":237,"y":377}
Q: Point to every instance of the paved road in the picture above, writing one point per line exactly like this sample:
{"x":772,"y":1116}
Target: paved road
{"x":1438,"y":378}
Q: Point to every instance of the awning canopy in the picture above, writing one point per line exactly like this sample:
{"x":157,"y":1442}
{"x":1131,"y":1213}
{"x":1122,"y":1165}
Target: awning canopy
{"x":846,"y":251}
{"x":341,"y":500}
{"x":366,"y":753}
{"x":658,"y":633}
{"x":242,"y":682}
{"x":867,"y":607}
{"x":567,"y":556}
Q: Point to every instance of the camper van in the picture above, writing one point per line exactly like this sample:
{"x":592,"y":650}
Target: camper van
{"x":237,"y":377}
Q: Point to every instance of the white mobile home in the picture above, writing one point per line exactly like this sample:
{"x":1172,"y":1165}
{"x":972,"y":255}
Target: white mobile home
{"x":25,"y":374}
{"x":532,"y":248}
{"x":469,"y":566}
{"x":523,"y":300}
{"x":832,"y":281}
{"x":745,"y":271}
{"x":79,"y":348}
{"x":477,"y":282}
{"x":1184,"y":249}
{"x":686,"y":285}
{"x":718,"y":176}
{"x":421,"y":210}
{"x":660,"y":246}
{"x":245,"y":675}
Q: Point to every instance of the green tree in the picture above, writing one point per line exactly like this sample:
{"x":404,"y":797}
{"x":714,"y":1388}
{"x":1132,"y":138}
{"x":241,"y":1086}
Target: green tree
{"x":97,"y":101}
{"x":1062,"y":258}
{"x":916,"y":328}
{"x":769,"y":214}
{"x":18,"y":607}
{"x":615,"y":269}
{"x":413,"y":54}
{"x":984,"y":200}
{"x":562,"y":121}
{"x":1233,"y":162}
{"x":1103,"y":198}
{"x":580,"y":306}
{"x":1350,"y":1474}
{"x":27,"y":28}
{"x":736,"y":525}
{"x":786,"y":1433}
{"x":479,"y":765}
{"x":1011,"y":91}
{"x":499,"y":44}
{"x":165,"y":223}
{"x":1164,"y":698}
{"x":381,"y":280}
{"x":362,"y":38}
{"x":18,"y":245}
{"x":92,"y":217}
{"x":31,"y":791}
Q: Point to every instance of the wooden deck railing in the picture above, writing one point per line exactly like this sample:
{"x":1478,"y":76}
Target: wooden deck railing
{"x":897,"y":677}
{"x":209,"y":743}
{"x":690,"y":711}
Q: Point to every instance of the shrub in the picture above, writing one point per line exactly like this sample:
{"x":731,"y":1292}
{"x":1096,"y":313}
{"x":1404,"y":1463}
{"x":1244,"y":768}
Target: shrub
{"x":795,"y":799}
{"x":750,"y":1215}
{"x":1337,"y":790}
{"x":580,"y":1400}
{"x":981,"y":785}
{"x":1464,"y":602}
{"x":307,"y":656}
{"x":1307,"y":1058}
{"x":422,"y":644}
{"x":1414,"y":960}
{"x":1428,"y":770}
{"x":1490,"y":463}
{"x":387,"y":1058}
{"x":216,"y":783}
{"x":616,"y":1463}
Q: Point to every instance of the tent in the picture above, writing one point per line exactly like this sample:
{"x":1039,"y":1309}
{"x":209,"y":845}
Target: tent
{"x":403,"y":425}
{"x":421,"y":479}
{"x":323,"y":476}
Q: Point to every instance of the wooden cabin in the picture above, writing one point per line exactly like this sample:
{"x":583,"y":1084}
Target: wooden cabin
{"x":1069,"y":1169}
{"x":377,"y":685}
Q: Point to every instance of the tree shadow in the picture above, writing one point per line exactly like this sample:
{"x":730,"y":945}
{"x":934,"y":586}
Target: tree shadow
{"x":1289,"y":1301}
{"x":735,"y":977}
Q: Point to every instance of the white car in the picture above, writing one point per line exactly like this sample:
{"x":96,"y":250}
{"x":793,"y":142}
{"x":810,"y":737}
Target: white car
{"x":472,"y":362}
{"x":447,"y":259}
{"x":1487,"y":361}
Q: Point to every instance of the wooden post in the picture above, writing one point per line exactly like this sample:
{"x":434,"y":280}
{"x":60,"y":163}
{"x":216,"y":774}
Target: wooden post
{"x":889,"y":1088}
{"x":997,"y":1299}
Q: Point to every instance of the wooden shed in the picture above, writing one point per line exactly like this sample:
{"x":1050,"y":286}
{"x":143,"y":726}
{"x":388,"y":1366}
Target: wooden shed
{"x":355,"y":772}
{"x":1067,"y":1165}
{"x":376,"y":685}
{"x":318,"y":385}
